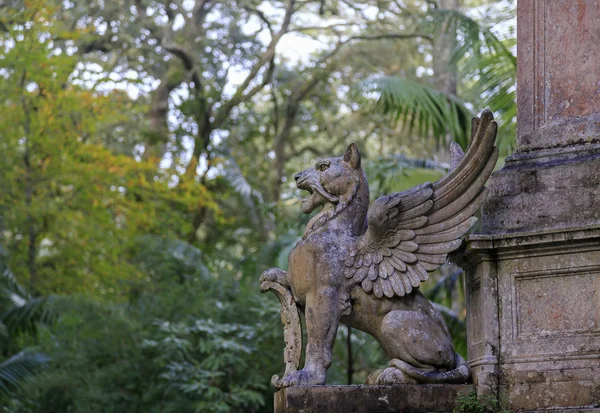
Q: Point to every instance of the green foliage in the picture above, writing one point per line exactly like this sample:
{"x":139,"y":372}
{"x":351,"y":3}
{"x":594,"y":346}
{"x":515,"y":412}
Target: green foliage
{"x":210,"y":363}
{"x":398,"y":173}
{"x":472,"y":403}
{"x":487,"y":65}
{"x":488,"y":70}
{"x":16,"y":369}
{"x":148,"y":149}
{"x":20,"y":314}
{"x":420,"y":108}
{"x":196,"y":344}
{"x":70,"y":206}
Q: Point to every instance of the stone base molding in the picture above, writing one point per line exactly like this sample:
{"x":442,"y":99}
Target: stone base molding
{"x":414,"y":398}
{"x":533,"y":305}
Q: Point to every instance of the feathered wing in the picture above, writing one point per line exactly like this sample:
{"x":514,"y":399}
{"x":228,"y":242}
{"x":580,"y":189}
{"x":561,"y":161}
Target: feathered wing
{"x":412,"y":232}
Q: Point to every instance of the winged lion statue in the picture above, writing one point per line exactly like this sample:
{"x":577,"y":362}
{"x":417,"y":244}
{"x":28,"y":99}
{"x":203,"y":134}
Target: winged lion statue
{"x":362,"y":265}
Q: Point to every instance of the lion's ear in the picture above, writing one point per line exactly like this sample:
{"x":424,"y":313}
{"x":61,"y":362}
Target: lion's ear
{"x":352,"y":156}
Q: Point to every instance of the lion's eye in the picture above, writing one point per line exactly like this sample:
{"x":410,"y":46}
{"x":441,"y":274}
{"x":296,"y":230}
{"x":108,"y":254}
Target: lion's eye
{"x":323,"y":167}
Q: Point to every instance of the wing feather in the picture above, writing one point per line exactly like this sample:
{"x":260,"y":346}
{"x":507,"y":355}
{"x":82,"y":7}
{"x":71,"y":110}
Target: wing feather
{"x":367,"y":285}
{"x":373,"y":272}
{"x":458,"y":174}
{"x":421,"y":272}
{"x":467,"y":197}
{"x":406,"y":283}
{"x":397,"y":284}
{"x":429,"y":266}
{"x":377,"y":290}
{"x":383,"y":271}
{"x":386,"y":286}
{"x":377,"y":257}
{"x":477,"y":170}
{"x":453,"y":233}
{"x":417,"y":222}
{"x":418,"y":210}
{"x":361,"y":274}
{"x":407,"y":257}
{"x":408,"y":246}
{"x":432,"y":258}
{"x":411,"y":199}
{"x":389,"y":267}
{"x":455,"y":220}
{"x":415,"y":280}
{"x":412,"y":232}
{"x":397,"y":263}
{"x":441,"y":248}
{"x":400,"y":235}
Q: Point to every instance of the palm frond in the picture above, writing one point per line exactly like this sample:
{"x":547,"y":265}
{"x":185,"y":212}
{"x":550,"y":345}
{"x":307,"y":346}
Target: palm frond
{"x":494,"y":79}
{"x":8,"y":283}
{"x":487,"y":63}
{"x":3,"y":332}
{"x":418,"y":107}
{"x":15,"y":370}
{"x":25,"y":316}
{"x":251,"y":197}
{"x":474,"y":38}
{"x":19,"y":311}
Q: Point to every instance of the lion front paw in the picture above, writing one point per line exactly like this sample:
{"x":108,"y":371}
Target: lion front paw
{"x":304,"y":378}
{"x":275,"y":275}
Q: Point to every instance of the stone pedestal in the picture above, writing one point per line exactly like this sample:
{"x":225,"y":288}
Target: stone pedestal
{"x":534,"y":317}
{"x":370,"y":399}
{"x":533,"y":273}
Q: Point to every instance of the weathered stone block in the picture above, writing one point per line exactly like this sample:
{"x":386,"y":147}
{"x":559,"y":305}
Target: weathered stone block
{"x":533,"y":275}
{"x":558,"y":84}
{"x":370,"y":399}
{"x":538,"y":346}
{"x":543,"y":190}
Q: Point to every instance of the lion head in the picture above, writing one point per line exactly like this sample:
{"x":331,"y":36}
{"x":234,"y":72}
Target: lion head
{"x":332,"y":183}
{"x":330,"y":179}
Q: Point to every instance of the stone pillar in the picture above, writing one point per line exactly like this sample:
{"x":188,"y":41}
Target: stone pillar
{"x":533,"y":273}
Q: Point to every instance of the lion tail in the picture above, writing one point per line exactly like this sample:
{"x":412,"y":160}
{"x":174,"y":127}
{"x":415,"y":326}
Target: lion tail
{"x":460,"y":374}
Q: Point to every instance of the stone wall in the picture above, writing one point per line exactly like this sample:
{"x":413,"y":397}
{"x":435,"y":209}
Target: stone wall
{"x":533,"y":273}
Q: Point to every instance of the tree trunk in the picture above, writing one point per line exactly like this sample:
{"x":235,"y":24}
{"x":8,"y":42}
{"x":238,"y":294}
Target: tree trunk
{"x":280,"y":140}
{"x":443,"y":47}
{"x":445,"y":71}
{"x":32,"y":233}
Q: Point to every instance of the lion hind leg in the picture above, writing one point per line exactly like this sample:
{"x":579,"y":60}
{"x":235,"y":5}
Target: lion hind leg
{"x":389,"y":376}
{"x":460,"y":374}
{"x":417,"y":339}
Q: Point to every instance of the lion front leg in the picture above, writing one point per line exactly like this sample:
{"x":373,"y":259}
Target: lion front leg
{"x":322,"y":312}
{"x":275,"y":275}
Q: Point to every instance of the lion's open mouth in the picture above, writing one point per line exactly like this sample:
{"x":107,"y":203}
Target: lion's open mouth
{"x":315,"y":189}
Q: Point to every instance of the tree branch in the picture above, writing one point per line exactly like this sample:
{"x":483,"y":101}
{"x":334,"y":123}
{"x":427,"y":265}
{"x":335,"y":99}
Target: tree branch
{"x":392,"y":36}
{"x":261,"y":16}
{"x":332,"y":26}
{"x":267,"y":56}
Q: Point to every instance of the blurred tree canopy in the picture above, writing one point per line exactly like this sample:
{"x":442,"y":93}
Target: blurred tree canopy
{"x":147,"y":148}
